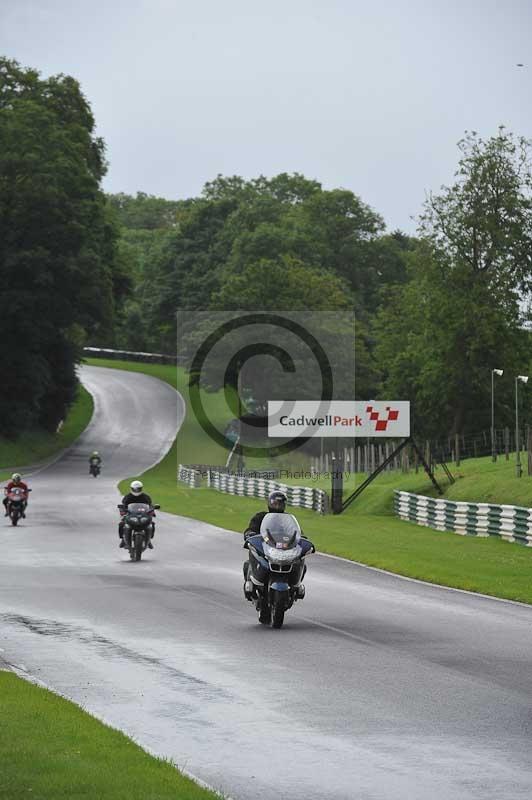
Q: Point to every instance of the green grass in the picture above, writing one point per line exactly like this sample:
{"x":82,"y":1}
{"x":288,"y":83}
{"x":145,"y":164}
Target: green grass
{"x":370,"y":533}
{"x":35,"y":446}
{"x":52,"y":750}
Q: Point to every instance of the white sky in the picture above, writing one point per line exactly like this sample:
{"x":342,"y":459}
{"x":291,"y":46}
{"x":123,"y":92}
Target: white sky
{"x":368,"y":96}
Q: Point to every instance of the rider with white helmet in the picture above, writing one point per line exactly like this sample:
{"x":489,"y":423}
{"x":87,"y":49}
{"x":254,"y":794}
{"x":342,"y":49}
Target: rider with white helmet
{"x":135,"y":495}
{"x":95,"y":458}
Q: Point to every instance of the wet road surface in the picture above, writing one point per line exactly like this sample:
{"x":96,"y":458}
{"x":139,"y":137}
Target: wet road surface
{"x":375,"y":688}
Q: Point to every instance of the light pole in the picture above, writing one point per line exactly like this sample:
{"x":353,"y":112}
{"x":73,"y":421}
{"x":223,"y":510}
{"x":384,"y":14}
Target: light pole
{"x":494,"y":372}
{"x":523,"y":379}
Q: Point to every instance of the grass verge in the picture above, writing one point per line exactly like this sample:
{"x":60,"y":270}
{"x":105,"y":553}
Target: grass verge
{"x":51,"y":749}
{"x":35,"y":446}
{"x":369,"y":532}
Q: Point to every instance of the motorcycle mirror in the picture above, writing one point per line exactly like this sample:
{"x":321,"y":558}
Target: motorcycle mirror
{"x":156,"y":506}
{"x":120,"y":506}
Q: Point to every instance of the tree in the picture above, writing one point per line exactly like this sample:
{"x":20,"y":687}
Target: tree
{"x":57,"y":244}
{"x":460,"y":312}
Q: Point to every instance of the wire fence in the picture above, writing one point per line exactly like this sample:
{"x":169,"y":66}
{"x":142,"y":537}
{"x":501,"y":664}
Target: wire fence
{"x":366,"y":456}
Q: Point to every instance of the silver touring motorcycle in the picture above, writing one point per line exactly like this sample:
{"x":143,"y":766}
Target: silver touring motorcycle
{"x":276,"y":567}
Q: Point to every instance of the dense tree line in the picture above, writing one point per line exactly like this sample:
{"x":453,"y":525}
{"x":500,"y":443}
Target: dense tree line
{"x":60,"y":273}
{"x":279,"y":243}
{"x":434,"y":313}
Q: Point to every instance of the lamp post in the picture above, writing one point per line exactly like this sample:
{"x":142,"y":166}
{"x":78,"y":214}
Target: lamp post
{"x":518,"y":471}
{"x":494,"y":372}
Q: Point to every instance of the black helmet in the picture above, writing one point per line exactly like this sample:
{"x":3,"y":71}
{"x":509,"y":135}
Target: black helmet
{"x":276,"y":501}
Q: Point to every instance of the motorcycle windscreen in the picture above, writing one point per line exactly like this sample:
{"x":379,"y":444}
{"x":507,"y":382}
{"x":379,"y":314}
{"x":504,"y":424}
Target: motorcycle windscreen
{"x":138,"y":508}
{"x":281,"y":531}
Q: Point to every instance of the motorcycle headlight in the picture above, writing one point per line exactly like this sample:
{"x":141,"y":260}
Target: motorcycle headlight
{"x":278,"y":556}
{"x":144,"y":520}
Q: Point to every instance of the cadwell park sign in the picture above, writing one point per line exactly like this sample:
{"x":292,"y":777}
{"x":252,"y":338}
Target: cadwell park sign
{"x":349,"y":418}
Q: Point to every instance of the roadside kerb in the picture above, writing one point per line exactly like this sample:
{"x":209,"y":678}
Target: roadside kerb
{"x":511,"y":523}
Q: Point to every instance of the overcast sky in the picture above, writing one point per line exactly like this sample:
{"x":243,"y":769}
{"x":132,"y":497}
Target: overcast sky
{"x":368,"y":96}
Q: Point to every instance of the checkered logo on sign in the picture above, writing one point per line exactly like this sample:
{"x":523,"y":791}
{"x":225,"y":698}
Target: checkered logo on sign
{"x":381,"y":423}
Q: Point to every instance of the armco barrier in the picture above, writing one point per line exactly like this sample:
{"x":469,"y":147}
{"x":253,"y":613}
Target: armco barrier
{"x":300,"y":496}
{"x":189,"y":476}
{"x":511,"y":523}
{"x":129,"y":355}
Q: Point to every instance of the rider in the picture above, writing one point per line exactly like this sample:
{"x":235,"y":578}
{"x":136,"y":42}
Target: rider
{"x":95,"y":458}
{"x":135,"y":495}
{"x":276,"y":504}
{"x":16,"y":482}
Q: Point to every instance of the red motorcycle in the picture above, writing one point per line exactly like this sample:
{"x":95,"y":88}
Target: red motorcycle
{"x":16,"y":503}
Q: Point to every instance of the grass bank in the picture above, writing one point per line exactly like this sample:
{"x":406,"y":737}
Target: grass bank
{"x":35,"y":446}
{"x":52,"y":750}
{"x":369,"y":532}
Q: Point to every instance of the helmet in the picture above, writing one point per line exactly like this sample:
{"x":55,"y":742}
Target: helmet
{"x":276,"y":501}
{"x":16,"y":478}
{"x":94,"y":453}
{"x":136,"y":487}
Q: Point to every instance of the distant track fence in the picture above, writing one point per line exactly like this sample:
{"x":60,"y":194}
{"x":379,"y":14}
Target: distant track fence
{"x":511,"y":523}
{"x":248,"y":486}
{"x":299,"y":496}
{"x":129,"y":355}
{"x":189,"y":476}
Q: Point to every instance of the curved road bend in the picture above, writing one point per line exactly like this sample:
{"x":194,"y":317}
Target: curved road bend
{"x":376,"y":687}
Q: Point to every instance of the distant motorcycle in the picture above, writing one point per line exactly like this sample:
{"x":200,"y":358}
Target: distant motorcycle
{"x":137,"y":527}
{"x":276,"y":567}
{"x":16,"y":502}
{"x":94,"y":468}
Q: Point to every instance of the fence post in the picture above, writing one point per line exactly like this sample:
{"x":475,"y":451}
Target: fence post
{"x":337,"y":486}
{"x":507,"y":443}
{"x":529,"y":448}
{"x":457,"y":449}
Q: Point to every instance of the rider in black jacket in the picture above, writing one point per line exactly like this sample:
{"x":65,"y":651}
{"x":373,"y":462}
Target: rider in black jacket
{"x":135,"y":495}
{"x":276,"y":504}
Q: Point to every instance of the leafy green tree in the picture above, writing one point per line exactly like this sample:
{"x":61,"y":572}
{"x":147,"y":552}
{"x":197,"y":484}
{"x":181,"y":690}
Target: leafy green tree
{"x":144,"y":211}
{"x":57,"y":244}
{"x":461,"y":313}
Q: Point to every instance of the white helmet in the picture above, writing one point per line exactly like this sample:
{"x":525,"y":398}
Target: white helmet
{"x":16,"y":478}
{"x":136,"y":487}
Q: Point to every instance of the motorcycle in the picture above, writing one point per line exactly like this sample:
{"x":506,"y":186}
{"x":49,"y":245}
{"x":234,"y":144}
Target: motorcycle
{"x":137,"y":527}
{"x":276,"y":567}
{"x":16,"y":503}
{"x":94,"y":469}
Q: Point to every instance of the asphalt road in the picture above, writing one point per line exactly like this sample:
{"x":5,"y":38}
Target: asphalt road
{"x":376,"y":687}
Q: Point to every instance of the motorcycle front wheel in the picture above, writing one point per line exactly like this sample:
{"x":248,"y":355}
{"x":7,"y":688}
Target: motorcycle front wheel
{"x":14,"y":518}
{"x":277,"y":615}
{"x":265,"y":612}
{"x":138,"y":546}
